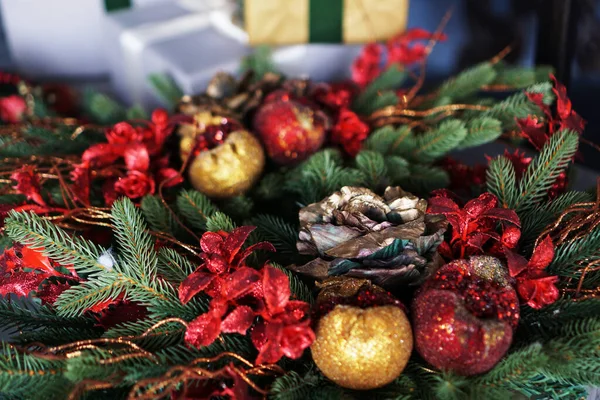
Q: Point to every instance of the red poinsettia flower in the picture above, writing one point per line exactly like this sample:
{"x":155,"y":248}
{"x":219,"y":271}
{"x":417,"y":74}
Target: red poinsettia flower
{"x":28,"y":184}
{"x":406,"y":48}
{"x":22,"y":270}
{"x":284,"y":329}
{"x":534,"y":286}
{"x":240,"y":295}
{"x":367,"y":65}
{"x":12,"y":109}
{"x":474,"y":225}
{"x":537,"y":132}
{"x":349,"y":131}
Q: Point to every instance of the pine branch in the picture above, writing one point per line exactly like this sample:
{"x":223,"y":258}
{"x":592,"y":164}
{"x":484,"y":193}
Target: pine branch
{"x":373,"y":167}
{"x":450,"y":387}
{"x":67,"y":250}
{"x":238,"y":208}
{"x":398,"y":169}
{"x":468,"y":82}
{"x":480,"y":131}
{"x":568,"y":254}
{"x":437,"y":142}
{"x":173,"y":266}
{"x":539,"y":217}
{"x":219,"y":222}
{"x":277,"y":231}
{"x":519,"y":106}
{"x":136,"y":246}
{"x":166,"y":88}
{"x":502,"y":181}
{"x":390,"y":140}
{"x":520,"y":77}
{"x":544,"y":169}
{"x":157,"y":215}
{"x":195,"y":207}
{"x":28,"y":376}
{"x":391,"y":78}
{"x":101,"y":108}
{"x":425,"y":178}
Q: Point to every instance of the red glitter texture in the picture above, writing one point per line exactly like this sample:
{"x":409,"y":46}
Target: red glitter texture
{"x":290,"y":131}
{"x":464,"y":316}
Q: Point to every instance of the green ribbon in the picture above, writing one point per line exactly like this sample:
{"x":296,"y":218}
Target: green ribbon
{"x":113,"y":5}
{"x":325,"y":21}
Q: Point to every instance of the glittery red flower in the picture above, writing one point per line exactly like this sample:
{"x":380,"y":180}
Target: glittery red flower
{"x":534,"y":286}
{"x":12,"y":109}
{"x":135,"y":184}
{"x":335,"y":96}
{"x":366,"y":67}
{"x":22,"y":270}
{"x":406,"y":49}
{"x":473,"y":226}
{"x":28,"y":184}
{"x":537,"y":132}
{"x":123,"y":133}
{"x":240,"y":295}
{"x":349,"y":132}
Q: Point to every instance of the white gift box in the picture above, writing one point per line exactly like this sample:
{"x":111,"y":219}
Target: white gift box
{"x":164,"y":38}
{"x":58,"y":38}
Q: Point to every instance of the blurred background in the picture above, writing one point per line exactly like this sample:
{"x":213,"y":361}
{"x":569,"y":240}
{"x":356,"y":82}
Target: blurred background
{"x":116,"y":44}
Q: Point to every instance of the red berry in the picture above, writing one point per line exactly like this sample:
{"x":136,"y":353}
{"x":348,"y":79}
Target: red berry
{"x":290,"y":131}
{"x":465,"y":316}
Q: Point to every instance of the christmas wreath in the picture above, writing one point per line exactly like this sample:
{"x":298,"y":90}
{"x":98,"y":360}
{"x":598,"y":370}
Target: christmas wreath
{"x":290,"y":239}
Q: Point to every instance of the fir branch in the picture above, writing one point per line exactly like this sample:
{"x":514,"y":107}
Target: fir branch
{"x":260,"y":62}
{"x":17,"y":315}
{"x":468,"y":82}
{"x":513,"y":370}
{"x":391,"y":78}
{"x":519,"y":106}
{"x":544,"y":169}
{"x":567,"y":254}
{"x":166,"y":88}
{"x":450,"y":386}
{"x":277,"y":231}
{"x":136,"y":246}
{"x":28,"y":376}
{"x":372,"y":165}
{"x":101,"y":108}
{"x":103,"y":287}
{"x":195,"y":207}
{"x":520,"y":77}
{"x":238,"y":208}
{"x":293,"y":386}
{"x":398,"y":169}
{"x":480,"y":131}
{"x":389,"y":140}
{"x":534,"y":221}
{"x":157,"y":215}
{"x":425,"y":178}
{"x":219,"y":222}
{"x":502,"y":181}
{"x":271,"y":186}
{"x":68,"y":250}
{"x":437,"y":142}
{"x":173,"y":266}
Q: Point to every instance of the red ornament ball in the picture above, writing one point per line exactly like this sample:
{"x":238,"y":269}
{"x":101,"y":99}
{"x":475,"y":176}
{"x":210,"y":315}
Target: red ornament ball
{"x":291,"y":131}
{"x":465,"y":316}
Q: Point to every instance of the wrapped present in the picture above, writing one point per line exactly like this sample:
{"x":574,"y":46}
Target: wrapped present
{"x":166,"y":38}
{"x":59,"y":38}
{"x":323,"y":21}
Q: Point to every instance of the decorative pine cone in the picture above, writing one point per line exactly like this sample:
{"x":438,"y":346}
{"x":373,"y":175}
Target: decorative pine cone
{"x":354,"y":232}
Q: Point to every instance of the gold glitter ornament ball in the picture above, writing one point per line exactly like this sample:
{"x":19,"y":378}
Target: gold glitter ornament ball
{"x":229,"y":169}
{"x":363,"y":348}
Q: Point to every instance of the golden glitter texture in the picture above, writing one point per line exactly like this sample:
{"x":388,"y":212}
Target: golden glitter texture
{"x":229,"y":169}
{"x":363,"y":348}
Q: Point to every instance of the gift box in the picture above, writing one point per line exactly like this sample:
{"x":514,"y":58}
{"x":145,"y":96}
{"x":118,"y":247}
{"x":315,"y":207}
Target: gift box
{"x":166,"y":38}
{"x":59,"y":38}
{"x":279,"y":22}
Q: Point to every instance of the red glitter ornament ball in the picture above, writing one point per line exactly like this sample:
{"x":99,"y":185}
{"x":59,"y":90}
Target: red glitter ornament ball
{"x":290,"y":131}
{"x":465,"y":315}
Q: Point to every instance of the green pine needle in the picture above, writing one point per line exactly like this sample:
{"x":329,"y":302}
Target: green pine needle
{"x":501,"y":181}
{"x":195,"y":208}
